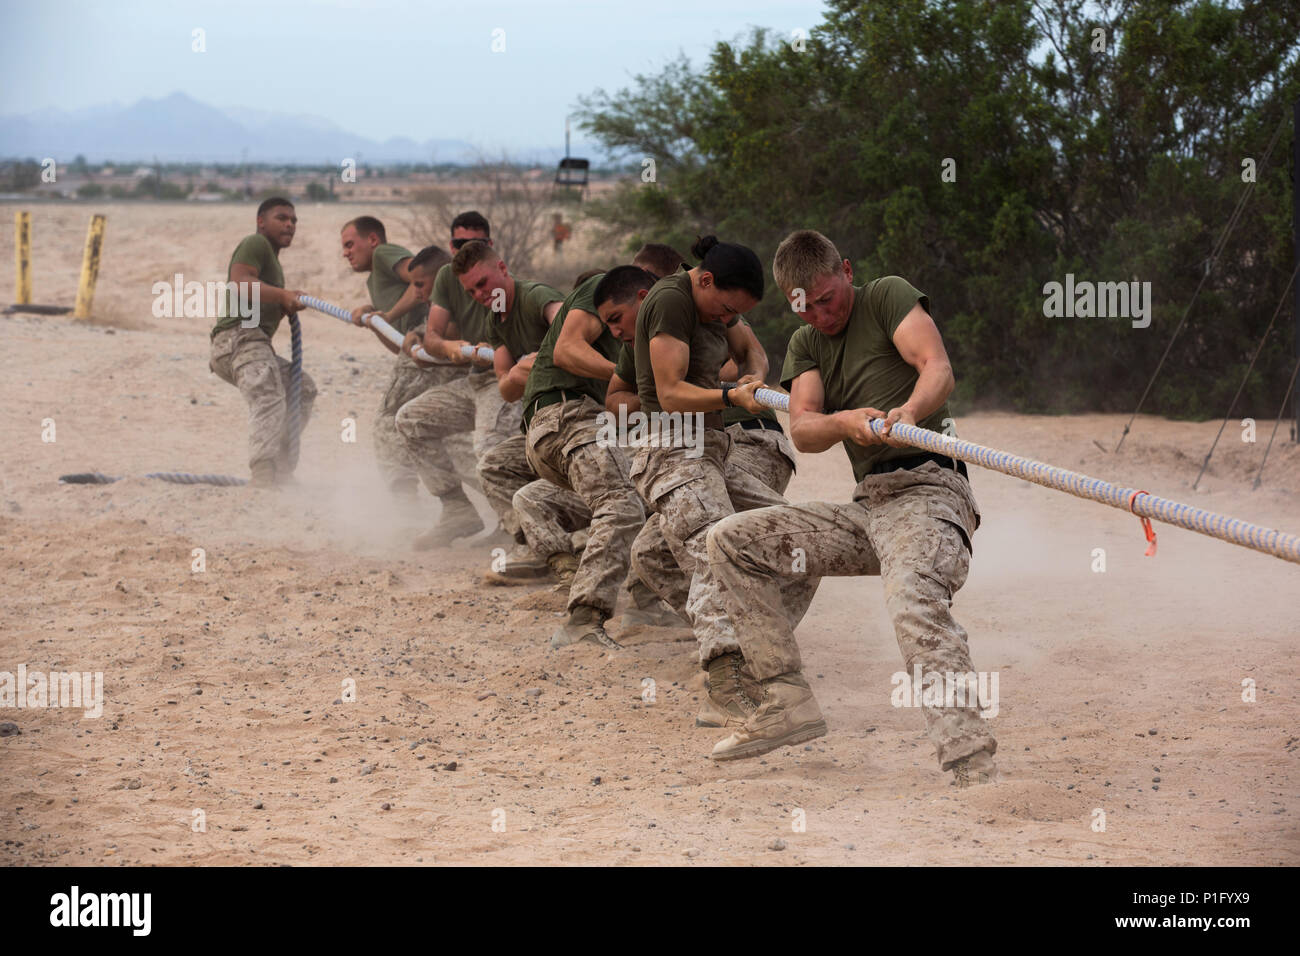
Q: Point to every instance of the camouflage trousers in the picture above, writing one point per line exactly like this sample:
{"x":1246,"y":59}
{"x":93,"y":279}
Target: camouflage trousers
{"x":690,"y":496}
{"x":912,"y":527}
{"x":765,"y":454}
{"x":470,"y":405}
{"x":563,"y":449}
{"x":401,"y":462}
{"x":502,"y":470}
{"x":550,"y":515}
{"x":245,"y":359}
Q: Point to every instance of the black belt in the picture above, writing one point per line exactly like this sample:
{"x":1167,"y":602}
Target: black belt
{"x":916,"y":461}
{"x":761,"y":424}
{"x":553,"y":397}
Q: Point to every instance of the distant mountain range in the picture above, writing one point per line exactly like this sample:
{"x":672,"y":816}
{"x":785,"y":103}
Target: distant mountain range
{"x":178,"y":128}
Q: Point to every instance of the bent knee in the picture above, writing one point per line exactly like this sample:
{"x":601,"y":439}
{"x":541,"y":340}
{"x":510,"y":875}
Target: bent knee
{"x":406,"y":421}
{"x":728,"y":537}
{"x":618,"y":503}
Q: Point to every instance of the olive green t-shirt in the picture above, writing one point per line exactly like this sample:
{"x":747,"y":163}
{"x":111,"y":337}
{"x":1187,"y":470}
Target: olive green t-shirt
{"x":546,"y":376}
{"x":386,"y":287}
{"x":522,"y":329}
{"x":625,"y":368}
{"x":473,"y":320}
{"x":625,"y":364}
{"x":861,"y":366}
{"x":256,"y":251}
{"x":669,"y":309}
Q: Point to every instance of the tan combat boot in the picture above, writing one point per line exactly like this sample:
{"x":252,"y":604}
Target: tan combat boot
{"x":727,"y":704}
{"x":657,"y":615}
{"x":787,"y":715}
{"x":974,"y":770}
{"x":521,"y":565}
{"x":647,"y":609}
{"x":459,"y":519}
{"x":564,"y":566}
{"x":584,"y":624}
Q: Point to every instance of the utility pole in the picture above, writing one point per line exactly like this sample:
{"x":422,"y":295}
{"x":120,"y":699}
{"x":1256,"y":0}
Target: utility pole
{"x":1295,"y":243}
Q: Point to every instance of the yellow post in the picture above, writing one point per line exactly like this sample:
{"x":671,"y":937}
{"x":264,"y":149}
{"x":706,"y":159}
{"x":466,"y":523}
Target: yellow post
{"x":89,"y":267}
{"x":23,"y":258}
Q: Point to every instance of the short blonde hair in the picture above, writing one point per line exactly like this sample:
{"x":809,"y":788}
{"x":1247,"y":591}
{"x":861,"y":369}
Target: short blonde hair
{"x":802,"y":258}
{"x":471,"y":254}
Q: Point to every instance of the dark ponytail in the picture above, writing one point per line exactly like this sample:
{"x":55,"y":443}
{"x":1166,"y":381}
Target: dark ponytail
{"x":733,"y":266}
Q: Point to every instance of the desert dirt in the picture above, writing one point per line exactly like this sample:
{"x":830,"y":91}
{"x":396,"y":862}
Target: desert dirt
{"x":223,"y":689}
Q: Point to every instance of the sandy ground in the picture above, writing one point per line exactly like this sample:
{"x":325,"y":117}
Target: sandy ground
{"x":223,"y":688}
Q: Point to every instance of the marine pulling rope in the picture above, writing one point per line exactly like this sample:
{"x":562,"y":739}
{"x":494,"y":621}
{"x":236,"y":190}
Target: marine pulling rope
{"x":1145,"y":506}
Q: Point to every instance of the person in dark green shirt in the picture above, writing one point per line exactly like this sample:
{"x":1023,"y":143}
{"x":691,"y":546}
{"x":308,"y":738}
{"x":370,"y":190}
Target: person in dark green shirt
{"x":442,"y":466}
{"x":686,"y":329}
{"x":241,"y":351}
{"x":395,"y":296}
{"x":547,"y":376}
{"x":436,"y":423}
{"x":518,"y":315}
{"x":520,"y":312}
{"x":866,"y":352}
{"x":563,"y":397}
{"x":388,"y":281}
{"x":562,"y":445}
{"x":759,"y":447}
{"x":450,"y":306}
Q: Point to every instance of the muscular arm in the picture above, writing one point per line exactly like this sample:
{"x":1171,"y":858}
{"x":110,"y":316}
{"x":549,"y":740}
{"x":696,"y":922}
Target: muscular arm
{"x":670,"y":358}
{"x":918,"y":340}
{"x":811,"y":429}
{"x":240,"y":272}
{"x":408,"y":300}
{"x":919,"y":343}
{"x":434,"y":331}
{"x":750,"y":357}
{"x":573,"y":351}
{"x":512,"y":376}
{"x":620,"y":393}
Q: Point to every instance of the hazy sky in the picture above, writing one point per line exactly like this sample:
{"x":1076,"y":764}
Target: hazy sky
{"x":361,"y":63}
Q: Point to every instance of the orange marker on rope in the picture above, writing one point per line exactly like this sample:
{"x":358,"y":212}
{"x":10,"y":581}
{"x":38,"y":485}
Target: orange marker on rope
{"x":1146,"y":525}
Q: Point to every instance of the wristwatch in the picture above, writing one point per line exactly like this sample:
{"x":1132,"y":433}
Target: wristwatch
{"x":726,"y":396}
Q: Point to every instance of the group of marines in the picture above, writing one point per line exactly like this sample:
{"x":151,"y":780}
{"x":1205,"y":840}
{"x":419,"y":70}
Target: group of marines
{"x":697,"y":532}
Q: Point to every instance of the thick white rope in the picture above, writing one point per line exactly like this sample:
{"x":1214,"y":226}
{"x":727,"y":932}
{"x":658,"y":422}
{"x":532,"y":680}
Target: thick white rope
{"x":1233,"y":530}
{"x":377,"y":322}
